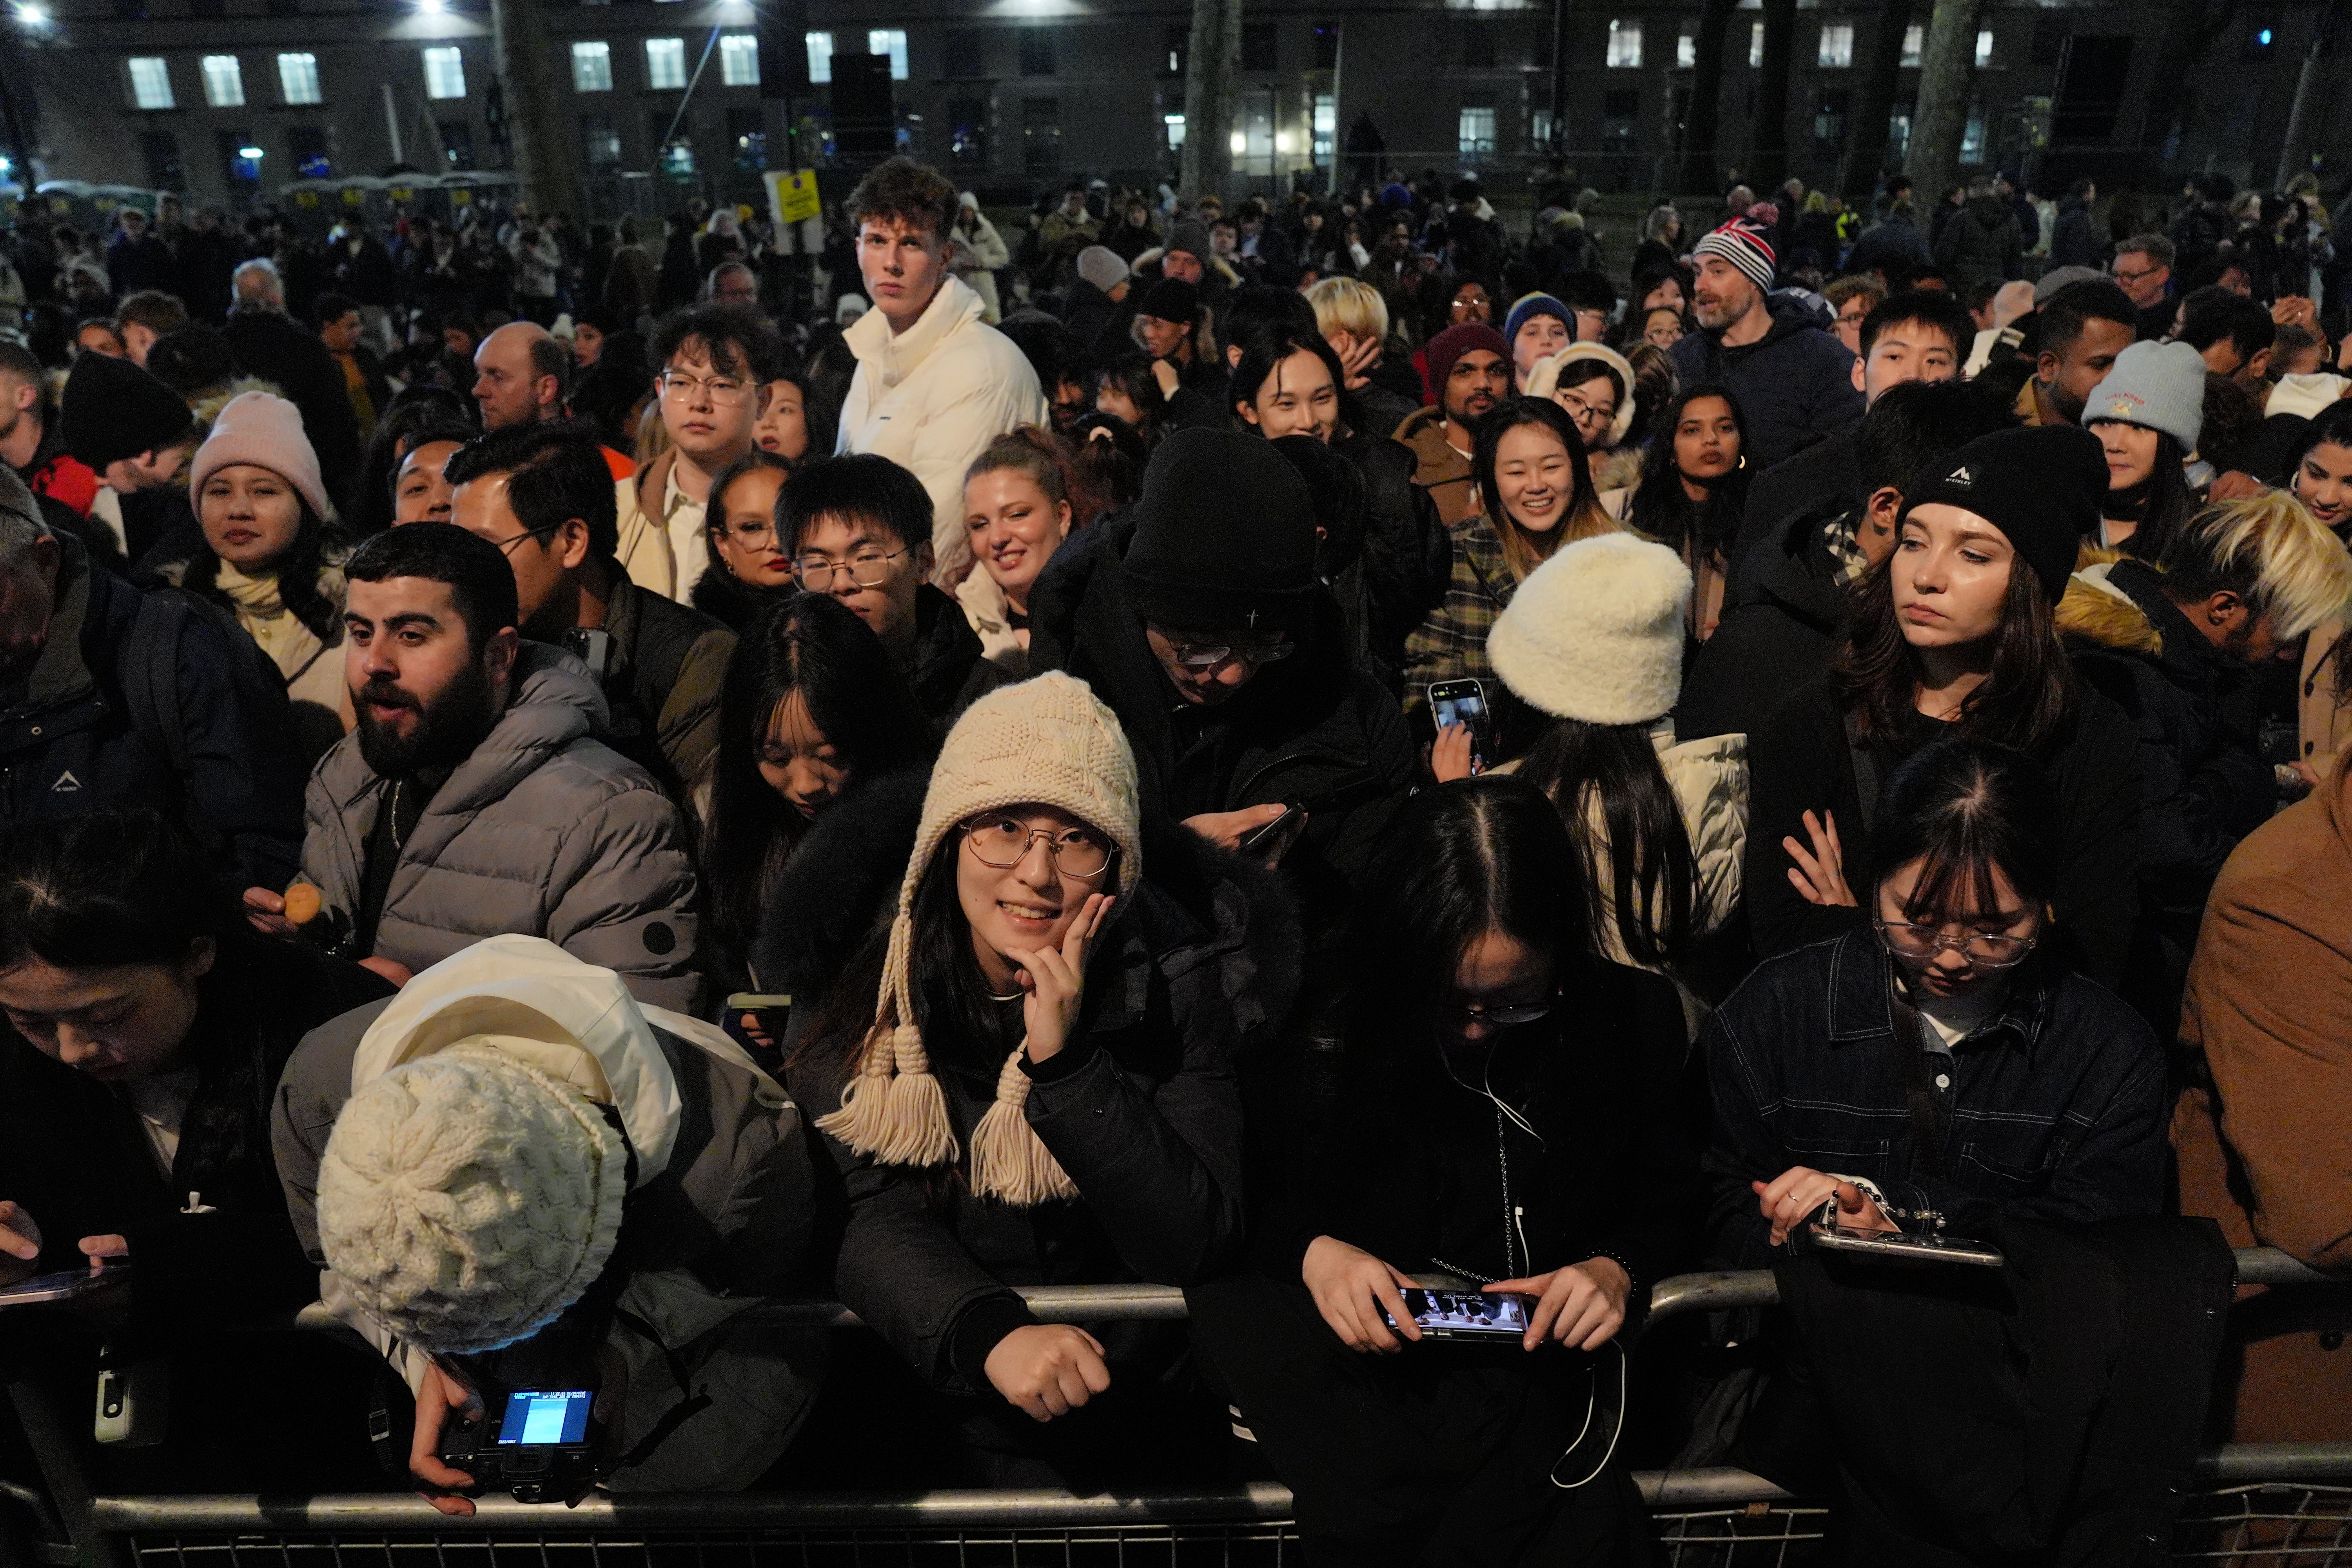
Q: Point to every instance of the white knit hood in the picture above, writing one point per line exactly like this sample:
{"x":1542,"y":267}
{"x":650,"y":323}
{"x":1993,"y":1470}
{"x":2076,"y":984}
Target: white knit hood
{"x":573,"y":1021}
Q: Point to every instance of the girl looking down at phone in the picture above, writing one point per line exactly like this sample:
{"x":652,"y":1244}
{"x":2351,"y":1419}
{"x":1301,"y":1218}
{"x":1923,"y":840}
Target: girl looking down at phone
{"x":1496,"y":1108}
{"x":1028,"y":1078}
{"x":1934,"y":1069}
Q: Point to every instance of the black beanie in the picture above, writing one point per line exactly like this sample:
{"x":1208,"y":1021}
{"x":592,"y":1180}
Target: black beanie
{"x":1224,"y":536}
{"x":2041,"y":487}
{"x":1170,"y":300}
{"x":111,"y":409}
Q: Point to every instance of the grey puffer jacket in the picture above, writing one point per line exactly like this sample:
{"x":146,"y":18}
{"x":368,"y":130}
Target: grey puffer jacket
{"x":720,"y":1216}
{"x":543,"y":831}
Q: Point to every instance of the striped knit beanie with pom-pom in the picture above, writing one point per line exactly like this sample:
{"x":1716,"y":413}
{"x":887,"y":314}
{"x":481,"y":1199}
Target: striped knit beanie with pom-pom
{"x":1047,"y":741}
{"x":467,"y":1199}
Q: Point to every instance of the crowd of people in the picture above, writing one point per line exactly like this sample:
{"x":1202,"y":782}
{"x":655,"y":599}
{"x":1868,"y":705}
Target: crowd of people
{"x":1297,"y":754}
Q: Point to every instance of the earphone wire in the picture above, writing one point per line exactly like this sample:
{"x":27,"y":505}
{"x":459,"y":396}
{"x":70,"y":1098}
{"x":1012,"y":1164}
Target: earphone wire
{"x":1591,"y":1407}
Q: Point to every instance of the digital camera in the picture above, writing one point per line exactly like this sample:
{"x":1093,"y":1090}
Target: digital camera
{"x":534,"y":1443}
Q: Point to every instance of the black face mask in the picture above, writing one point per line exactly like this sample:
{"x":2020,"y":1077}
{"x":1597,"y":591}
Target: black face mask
{"x":448,"y":729}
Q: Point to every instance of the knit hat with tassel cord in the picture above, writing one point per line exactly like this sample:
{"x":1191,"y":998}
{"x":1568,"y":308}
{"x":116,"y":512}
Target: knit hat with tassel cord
{"x":1047,"y":741}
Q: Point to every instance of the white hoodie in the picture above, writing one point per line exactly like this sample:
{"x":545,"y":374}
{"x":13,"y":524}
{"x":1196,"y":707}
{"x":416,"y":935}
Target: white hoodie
{"x":931,"y":397}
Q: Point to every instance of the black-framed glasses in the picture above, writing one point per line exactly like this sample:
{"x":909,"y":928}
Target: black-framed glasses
{"x":1990,"y":950}
{"x":1209,"y":656}
{"x":506,"y":546}
{"x":1003,"y":841}
{"x":867,"y":569}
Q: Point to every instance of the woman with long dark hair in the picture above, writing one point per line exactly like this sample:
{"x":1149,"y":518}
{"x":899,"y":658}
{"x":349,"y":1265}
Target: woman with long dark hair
{"x":271,"y":557}
{"x":1954,"y":633}
{"x":796,"y":421}
{"x":2147,"y":412}
{"x":1126,"y":387}
{"x":1028,"y":1078}
{"x":811,"y":708}
{"x":1496,"y":1106}
{"x":1594,"y":639}
{"x":1528,"y":465}
{"x":146,"y":1028}
{"x":1692,"y":490}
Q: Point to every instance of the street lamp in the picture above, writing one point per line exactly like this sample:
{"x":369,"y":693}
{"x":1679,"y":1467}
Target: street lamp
{"x":32,"y":16}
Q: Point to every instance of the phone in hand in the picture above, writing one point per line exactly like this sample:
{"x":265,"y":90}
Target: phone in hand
{"x":1464,"y":702}
{"x":1271,"y":842}
{"x":43,"y":1290}
{"x":1906,"y":1247}
{"x":1469,"y":1314}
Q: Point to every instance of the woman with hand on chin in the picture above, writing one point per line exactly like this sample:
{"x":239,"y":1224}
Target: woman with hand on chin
{"x":1028,"y":1078}
{"x":2054,"y":1086}
{"x":1496,"y":1106}
{"x":1953,"y":634}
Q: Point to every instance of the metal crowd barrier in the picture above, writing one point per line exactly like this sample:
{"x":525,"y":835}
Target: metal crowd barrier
{"x":2268,"y":1505}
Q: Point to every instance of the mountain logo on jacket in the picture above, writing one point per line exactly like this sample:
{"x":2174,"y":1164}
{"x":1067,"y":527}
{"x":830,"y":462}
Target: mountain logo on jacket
{"x":67,"y":783}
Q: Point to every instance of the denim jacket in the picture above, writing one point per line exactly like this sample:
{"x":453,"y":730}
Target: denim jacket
{"x":2055,"y":1110}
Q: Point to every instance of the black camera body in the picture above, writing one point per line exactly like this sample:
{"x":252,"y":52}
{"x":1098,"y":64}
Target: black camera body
{"x":536,"y":1444}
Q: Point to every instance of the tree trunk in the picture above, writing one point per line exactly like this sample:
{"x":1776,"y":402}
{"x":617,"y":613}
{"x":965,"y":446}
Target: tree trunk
{"x":1767,"y":134}
{"x":544,"y":165}
{"x":1702,"y":170}
{"x":1212,"y":58}
{"x":1866,"y":141}
{"x":1946,"y":72}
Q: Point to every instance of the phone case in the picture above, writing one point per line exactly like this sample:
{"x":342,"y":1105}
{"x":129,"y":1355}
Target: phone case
{"x":1900,"y":1247}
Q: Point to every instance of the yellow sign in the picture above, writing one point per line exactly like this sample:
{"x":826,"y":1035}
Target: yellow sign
{"x":306,"y":198}
{"x":353,"y":199}
{"x":792,"y":197}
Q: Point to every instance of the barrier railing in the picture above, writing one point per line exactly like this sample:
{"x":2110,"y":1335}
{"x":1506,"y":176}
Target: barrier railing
{"x":2269,"y":1500}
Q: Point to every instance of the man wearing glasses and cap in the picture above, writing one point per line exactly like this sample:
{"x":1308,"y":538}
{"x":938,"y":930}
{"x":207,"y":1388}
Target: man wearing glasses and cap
{"x":1197,"y":616}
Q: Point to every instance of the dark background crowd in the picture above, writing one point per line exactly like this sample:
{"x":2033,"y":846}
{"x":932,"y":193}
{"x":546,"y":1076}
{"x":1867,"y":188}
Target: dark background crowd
{"x":561,"y":784}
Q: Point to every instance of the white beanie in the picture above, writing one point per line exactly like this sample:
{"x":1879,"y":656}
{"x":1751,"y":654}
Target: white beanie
{"x":467,"y":1199}
{"x":1543,"y":381}
{"x":2160,"y":387}
{"x":267,"y":432}
{"x":1047,"y":741}
{"x":1596,"y":632}
{"x":2308,"y":394}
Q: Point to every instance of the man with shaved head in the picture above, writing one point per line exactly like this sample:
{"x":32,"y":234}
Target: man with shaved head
{"x":520,"y":376}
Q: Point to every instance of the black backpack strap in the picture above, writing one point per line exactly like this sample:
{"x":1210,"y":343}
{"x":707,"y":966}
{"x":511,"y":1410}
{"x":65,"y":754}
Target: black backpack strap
{"x":1865,"y":770}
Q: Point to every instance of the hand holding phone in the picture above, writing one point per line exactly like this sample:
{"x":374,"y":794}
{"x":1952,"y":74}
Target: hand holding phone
{"x":20,"y":1244}
{"x":1270,"y":842}
{"x":1463,"y":704}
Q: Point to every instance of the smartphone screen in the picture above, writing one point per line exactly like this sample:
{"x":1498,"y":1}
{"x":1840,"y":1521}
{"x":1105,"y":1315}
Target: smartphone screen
{"x":1467,"y":709}
{"x":546,"y":1416}
{"x":1467,"y":1314}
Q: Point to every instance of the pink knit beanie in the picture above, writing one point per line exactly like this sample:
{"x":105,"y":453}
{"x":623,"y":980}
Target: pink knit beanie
{"x":267,"y":432}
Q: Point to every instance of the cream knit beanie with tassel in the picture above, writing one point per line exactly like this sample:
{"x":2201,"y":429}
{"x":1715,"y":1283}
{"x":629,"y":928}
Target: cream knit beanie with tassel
{"x":1047,"y":741}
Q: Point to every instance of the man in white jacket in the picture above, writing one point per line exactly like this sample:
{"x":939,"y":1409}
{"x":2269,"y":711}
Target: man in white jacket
{"x":935,"y":382}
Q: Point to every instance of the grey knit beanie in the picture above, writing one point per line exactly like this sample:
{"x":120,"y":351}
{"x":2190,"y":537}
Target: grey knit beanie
{"x":2159,"y":386}
{"x":1102,"y":267}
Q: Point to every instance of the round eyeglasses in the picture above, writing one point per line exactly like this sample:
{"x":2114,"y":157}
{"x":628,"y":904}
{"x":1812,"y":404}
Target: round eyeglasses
{"x":1002,"y":842}
{"x":1989,"y":950}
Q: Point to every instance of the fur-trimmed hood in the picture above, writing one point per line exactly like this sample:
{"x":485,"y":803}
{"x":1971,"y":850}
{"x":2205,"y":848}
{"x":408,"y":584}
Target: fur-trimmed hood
{"x":2094,"y":613}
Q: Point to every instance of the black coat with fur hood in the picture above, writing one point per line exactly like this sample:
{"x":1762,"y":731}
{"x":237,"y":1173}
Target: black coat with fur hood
{"x":1197,"y":972}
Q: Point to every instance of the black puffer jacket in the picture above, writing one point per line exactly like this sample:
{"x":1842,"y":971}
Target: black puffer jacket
{"x":1783,"y":615}
{"x":2203,"y":784}
{"x":1142,"y":1109}
{"x":1407,"y":555}
{"x":1981,"y":244}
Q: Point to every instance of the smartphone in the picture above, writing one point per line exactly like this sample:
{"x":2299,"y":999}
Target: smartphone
{"x":1464,"y":702}
{"x":1902,"y":1246}
{"x":63,"y":1286}
{"x":1270,"y":842}
{"x":1468,"y":1314}
{"x":595,"y":647}
{"x":757,"y":1002}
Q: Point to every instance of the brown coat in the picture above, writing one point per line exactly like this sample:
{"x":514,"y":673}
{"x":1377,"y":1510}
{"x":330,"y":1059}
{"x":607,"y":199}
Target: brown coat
{"x":2261,"y":1141}
{"x":1440,"y":469}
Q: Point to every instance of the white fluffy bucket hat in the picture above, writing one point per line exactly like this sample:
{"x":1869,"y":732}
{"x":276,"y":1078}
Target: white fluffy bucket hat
{"x":1596,"y":632}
